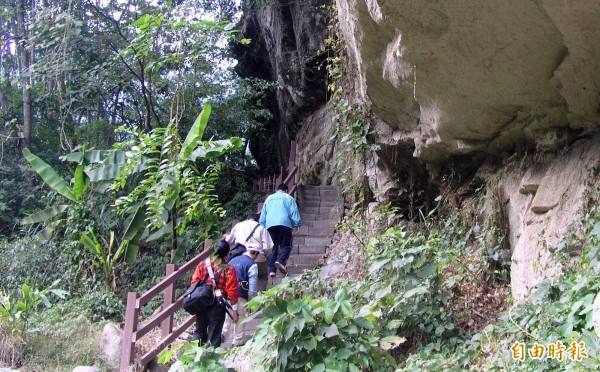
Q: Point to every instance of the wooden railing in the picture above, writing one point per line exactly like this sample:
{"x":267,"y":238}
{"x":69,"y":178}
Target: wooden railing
{"x":132,"y":333}
{"x":287,"y":175}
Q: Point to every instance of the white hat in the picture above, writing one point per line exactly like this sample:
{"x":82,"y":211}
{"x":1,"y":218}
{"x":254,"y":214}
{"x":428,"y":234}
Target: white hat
{"x":254,"y":247}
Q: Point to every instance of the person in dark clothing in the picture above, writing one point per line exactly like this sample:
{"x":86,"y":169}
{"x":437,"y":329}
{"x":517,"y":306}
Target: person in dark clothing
{"x":209,"y":324}
{"x":247,"y":273}
{"x":279,"y":215}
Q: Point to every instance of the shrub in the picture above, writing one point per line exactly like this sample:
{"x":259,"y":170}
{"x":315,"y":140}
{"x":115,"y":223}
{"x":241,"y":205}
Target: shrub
{"x":29,"y":260}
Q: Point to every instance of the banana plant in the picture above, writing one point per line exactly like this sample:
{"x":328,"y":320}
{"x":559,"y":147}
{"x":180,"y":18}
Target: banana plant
{"x":107,"y":256}
{"x":81,"y":181}
{"x":174,"y":190}
{"x":75,"y":194}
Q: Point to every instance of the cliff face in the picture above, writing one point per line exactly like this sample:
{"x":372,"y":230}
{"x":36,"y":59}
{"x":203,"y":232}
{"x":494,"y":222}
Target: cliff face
{"x":287,"y":37}
{"x":452,"y":87}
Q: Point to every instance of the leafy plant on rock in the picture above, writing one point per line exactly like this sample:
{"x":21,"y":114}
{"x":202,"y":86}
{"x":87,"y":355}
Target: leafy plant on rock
{"x":174,"y":192}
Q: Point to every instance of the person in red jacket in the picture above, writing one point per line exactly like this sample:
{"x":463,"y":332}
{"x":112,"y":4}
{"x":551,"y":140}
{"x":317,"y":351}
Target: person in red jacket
{"x":209,"y":324}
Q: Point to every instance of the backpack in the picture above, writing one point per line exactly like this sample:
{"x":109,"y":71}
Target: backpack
{"x":199,"y":296}
{"x":239,"y":249}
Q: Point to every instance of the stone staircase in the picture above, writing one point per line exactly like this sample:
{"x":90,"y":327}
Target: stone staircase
{"x":320,"y":209}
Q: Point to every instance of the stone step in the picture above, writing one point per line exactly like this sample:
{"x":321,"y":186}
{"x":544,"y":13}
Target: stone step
{"x":313,"y":216}
{"x":303,"y":259}
{"x":309,"y":249}
{"x":315,"y":231}
{"x":299,"y":269}
{"x":317,"y":187}
{"x":311,"y":240}
{"x":310,"y":203}
{"x":316,"y":210}
{"x":320,"y":222}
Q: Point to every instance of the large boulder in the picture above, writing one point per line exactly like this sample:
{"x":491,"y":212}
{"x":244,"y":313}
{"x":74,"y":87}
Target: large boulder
{"x":477,"y":76}
{"x":112,"y":338}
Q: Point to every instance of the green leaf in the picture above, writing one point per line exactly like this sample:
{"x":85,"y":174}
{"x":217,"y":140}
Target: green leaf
{"x":214,"y":149}
{"x":331,"y":331}
{"x":166,"y":229}
{"x":416,"y":291}
{"x":133,"y":234}
{"x":330,"y":309}
{"x":44,"y":215}
{"x":91,"y":244}
{"x":426,"y":271}
{"x":363,"y":323}
{"x":81,"y":182}
{"x":196,"y":132}
{"x":344,"y":354}
{"x":49,"y":176}
{"x":295,"y":306}
{"x":391,"y":342}
{"x":378,"y":265}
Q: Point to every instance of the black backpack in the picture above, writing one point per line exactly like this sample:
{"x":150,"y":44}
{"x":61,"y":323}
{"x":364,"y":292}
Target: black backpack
{"x":239,"y":249}
{"x":199,"y":296}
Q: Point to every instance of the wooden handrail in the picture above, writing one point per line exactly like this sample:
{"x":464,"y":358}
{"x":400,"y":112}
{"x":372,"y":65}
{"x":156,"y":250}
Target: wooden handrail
{"x":132,"y":333}
{"x":286,"y":176}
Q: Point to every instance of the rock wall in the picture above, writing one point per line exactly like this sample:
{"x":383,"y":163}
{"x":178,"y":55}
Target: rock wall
{"x":462,"y":77}
{"x":452,"y":86}
{"x":287,"y":37}
{"x":545,"y":206}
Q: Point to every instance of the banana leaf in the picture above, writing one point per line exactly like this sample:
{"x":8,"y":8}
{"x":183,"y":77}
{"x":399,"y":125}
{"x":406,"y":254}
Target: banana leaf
{"x":44,"y":215}
{"x":213,"y":149}
{"x":46,"y":233}
{"x":113,"y":170}
{"x":133,"y":234}
{"x":50,"y":176}
{"x":81,"y":182}
{"x":196,"y":132}
{"x":96,"y":156}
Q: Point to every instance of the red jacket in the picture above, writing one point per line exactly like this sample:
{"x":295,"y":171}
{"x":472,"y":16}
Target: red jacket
{"x":227,"y":281}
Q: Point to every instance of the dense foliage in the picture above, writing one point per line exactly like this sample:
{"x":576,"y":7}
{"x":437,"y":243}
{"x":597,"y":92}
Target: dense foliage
{"x":107,"y":170}
{"x":406,"y":313}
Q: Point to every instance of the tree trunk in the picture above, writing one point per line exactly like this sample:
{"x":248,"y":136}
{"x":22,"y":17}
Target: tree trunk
{"x":24,"y":64}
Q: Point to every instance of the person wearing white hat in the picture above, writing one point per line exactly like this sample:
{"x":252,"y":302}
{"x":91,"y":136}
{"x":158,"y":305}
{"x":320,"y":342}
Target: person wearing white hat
{"x":247,"y":274}
{"x":250,"y":232}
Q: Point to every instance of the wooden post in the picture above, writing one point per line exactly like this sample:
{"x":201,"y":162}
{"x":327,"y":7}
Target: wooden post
{"x":131,"y":323}
{"x":166,"y":327}
{"x":293,"y":153}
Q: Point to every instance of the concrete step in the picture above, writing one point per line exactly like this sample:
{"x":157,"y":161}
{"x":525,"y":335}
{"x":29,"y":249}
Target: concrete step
{"x":311,"y":240}
{"x":303,"y":259}
{"x":317,"y":187}
{"x":316,"y":203}
{"x":309,"y":249}
{"x":323,"y":222}
{"x":315,"y":231}
{"x":316,"y":210}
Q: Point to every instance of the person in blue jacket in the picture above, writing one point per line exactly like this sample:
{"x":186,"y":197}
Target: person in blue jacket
{"x":280,"y":215}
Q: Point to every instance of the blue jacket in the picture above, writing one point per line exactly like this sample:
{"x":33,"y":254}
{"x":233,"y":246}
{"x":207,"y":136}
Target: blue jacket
{"x":280,"y":209}
{"x":247,"y":272}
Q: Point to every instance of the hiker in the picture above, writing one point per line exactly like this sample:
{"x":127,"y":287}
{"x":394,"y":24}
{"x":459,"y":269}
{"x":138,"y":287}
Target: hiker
{"x":246,"y":271}
{"x":209,"y":324}
{"x":250,"y":232}
{"x":279,"y":215}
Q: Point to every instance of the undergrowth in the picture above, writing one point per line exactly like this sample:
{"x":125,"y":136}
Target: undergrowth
{"x":436,"y":297}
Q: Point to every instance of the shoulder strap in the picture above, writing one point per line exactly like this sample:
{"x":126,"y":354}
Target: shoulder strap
{"x":210,"y":272}
{"x":253,"y":230}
